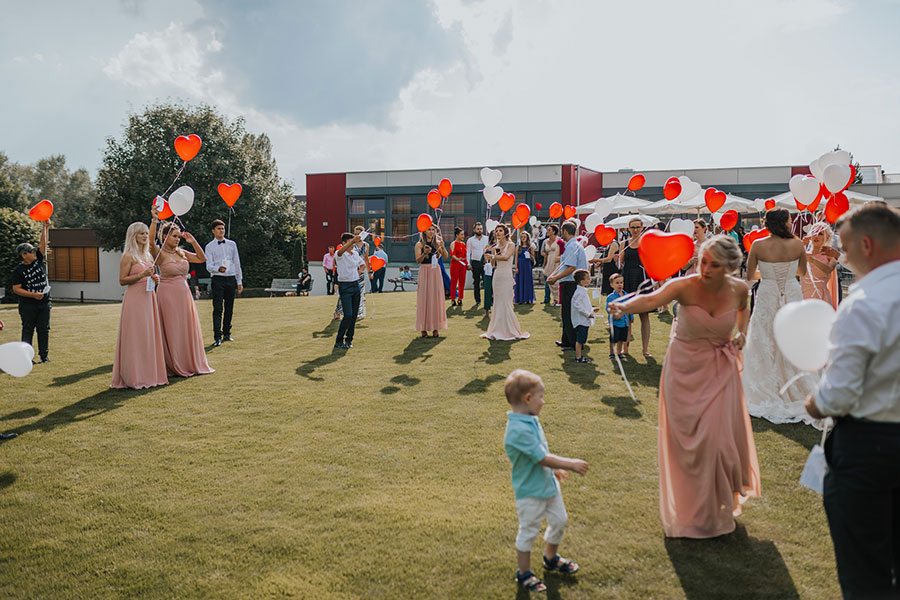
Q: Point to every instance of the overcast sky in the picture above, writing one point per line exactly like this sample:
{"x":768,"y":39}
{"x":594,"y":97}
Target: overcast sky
{"x":382,"y":84}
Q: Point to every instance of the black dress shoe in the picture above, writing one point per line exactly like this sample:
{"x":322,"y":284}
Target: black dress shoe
{"x":227,"y":338}
{"x":8,"y":436}
{"x":44,"y":359}
{"x":217,"y":343}
{"x":347,"y":346}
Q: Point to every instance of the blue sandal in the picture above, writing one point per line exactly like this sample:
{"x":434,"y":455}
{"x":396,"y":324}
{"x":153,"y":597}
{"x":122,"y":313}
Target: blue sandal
{"x":530,"y":582}
{"x":560,"y":565}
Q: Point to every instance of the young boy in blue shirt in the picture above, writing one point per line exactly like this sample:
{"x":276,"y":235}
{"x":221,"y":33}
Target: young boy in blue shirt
{"x":618,"y":328}
{"x":535,"y":478}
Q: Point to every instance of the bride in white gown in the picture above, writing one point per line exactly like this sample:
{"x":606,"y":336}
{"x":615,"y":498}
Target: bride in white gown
{"x":780,"y":258}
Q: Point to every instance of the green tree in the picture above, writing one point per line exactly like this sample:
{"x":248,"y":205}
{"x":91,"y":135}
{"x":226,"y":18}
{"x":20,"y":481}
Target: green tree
{"x":142,"y":164}
{"x":858,"y":178}
{"x":49,"y":179}
{"x":15,"y":228}
{"x":12,"y":194}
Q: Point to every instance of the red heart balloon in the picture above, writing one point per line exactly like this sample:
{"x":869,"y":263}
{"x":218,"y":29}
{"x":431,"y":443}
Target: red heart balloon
{"x":506,"y":201}
{"x":800,"y":207}
{"x":423,"y":222}
{"x":518,"y":221}
{"x":187,"y":147}
{"x":569,"y":211}
{"x":604,"y":234}
{"x":729,"y":220}
{"x":41,"y":211}
{"x":230,"y":193}
{"x":770,"y":204}
{"x":823,"y":192}
{"x":434,"y":199}
{"x":715,"y":199}
{"x":852,"y":177}
{"x":166,"y":212}
{"x":753,"y":236}
{"x":376,"y":263}
{"x":556,"y":210}
{"x":836,"y":206}
{"x":663,"y":254}
{"x":523,"y":211}
{"x":377,"y":241}
{"x":636,"y":182}
{"x":445,"y":187}
{"x":537,"y":206}
{"x":672,"y":188}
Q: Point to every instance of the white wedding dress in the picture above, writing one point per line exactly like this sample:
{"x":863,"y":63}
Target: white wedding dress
{"x":766,"y":370}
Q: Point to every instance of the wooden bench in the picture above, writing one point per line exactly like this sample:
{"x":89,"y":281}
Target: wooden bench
{"x":282,"y":286}
{"x":399,"y":283}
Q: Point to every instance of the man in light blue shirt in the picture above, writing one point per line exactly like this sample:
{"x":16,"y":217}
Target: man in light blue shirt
{"x":376,"y":278}
{"x":573,"y":258}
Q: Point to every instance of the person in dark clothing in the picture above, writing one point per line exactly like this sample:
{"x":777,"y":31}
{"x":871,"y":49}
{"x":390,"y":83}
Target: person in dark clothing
{"x":30,"y":284}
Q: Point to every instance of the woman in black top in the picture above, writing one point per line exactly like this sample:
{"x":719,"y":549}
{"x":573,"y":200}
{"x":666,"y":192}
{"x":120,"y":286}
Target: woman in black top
{"x":633,"y":273}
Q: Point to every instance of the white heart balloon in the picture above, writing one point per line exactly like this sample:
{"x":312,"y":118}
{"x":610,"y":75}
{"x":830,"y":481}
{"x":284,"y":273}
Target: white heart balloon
{"x":681,"y":226}
{"x":492,"y":194}
{"x":490,"y":225}
{"x":689,"y":188}
{"x":717,"y":218}
{"x":533,"y":221}
{"x":836,"y":177}
{"x":759,"y":204}
{"x":15,"y":358}
{"x":837,"y":157}
{"x":181,"y":200}
{"x":804,"y":188}
{"x":591,"y":222}
{"x":590,"y":252}
{"x":490,"y":177}
{"x":817,"y":167}
{"x":802,"y":330}
{"x":602,"y":207}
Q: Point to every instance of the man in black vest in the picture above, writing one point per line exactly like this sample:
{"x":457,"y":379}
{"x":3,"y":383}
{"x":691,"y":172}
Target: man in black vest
{"x":30,"y":284}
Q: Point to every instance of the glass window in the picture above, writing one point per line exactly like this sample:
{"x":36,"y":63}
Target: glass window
{"x":447,"y":225}
{"x":468,"y":224}
{"x":376,"y":226}
{"x":357,"y":206}
{"x":361,"y":221}
{"x":400,"y":205}
{"x":454,"y":203}
{"x":399,"y":226}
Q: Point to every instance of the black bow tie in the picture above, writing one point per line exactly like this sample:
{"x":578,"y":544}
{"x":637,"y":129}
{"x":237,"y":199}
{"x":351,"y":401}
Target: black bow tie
{"x":221,"y":241}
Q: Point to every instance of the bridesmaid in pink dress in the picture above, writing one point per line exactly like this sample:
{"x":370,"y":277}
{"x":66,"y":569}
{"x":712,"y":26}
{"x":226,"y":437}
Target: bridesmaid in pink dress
{"x":139,"y":361}
{"x":431,"y":314}
{"x":504,"y":325}
{"x":183,"y":341}
{"x":820,"y":280}
{"x":707,"y":457}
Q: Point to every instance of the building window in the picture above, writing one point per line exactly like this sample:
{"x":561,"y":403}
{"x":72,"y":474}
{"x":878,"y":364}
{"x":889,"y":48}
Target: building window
{"x":400,"y":227}
{"x":357,"y":222}
{"x":357,"y":206}
{"x":400,"y":205}
{"x":73,"y":264}
{"x":454,"y":203}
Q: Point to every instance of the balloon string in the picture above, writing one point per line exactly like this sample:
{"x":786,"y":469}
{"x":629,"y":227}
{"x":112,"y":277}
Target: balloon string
{"x":177,"y":175}
{"x":791,"y":381}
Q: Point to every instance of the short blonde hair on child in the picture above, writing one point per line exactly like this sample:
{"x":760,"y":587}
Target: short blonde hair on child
{"x":519,"y":383}
{"x":614,"y":276}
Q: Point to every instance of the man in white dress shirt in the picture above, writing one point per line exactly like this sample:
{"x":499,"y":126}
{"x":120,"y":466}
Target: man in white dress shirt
{"x":348,"y":262}
{"x":860,"y":387}
{"x":475,"y":246}
{"x":224,"y":266}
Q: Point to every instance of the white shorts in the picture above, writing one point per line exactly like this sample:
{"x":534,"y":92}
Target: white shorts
{"x":531,"y":511}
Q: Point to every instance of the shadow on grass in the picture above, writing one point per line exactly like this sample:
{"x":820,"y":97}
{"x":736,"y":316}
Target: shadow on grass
{"x":733,"y":565}
{"x":22,"y":414}
{"x":479,"y":386}
{"x":309,"y":367}
{"x":584,"y":375}
{"x":800,"y":433}
{"x":417,"y":348}
{"x":400,"y":380}
{"x":497,"y":352}
{"x":7,"y":479}
{"x":553,"y":311}
{"x":523,"y":309}
{"x":329,"y":330}
{"x":76,"y":377}
{"x":623,"y":406}
{"x":665,"y":317}
{"x":644,"y":374}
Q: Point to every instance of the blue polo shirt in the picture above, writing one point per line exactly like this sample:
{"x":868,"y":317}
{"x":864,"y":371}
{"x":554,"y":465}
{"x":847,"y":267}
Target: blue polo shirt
{"x":526,"y":445}
{"x":573,"y":256}
{"x":622,"y":321}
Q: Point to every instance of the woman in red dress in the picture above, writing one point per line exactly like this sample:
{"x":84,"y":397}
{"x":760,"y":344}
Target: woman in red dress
{"x":457,"y":266}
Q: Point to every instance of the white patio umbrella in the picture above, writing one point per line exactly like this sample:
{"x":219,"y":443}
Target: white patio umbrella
{"x":786,"y":200}
{"x":621,"y":204}
{"x":622,"y":222}
{"x":697,"y":203}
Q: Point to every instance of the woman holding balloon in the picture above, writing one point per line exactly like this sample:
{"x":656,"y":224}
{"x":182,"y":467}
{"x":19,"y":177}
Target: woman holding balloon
{"x":633,"y":272}
{"x":503,"y":325}
{"x":182,"y":337}
{"x":431,"y":313}
{"x":524,"y":274}
{"x":707,"y":456}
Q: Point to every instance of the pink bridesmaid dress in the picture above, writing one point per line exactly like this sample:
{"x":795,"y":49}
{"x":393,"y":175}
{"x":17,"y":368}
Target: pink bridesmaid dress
{"x":140,"y":360}
{"x":707,"y":457}
{"x":183,"y":341}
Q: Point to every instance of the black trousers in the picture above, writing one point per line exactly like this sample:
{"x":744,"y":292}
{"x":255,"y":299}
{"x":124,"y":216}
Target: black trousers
{"x":330,"y":280}
{"x":377,"y":281}
{"x":566,"y":291}
{"x":477,"y":278}
{"x":223,"y":290}
{"x":862,"y":502}
{"x":350,"y":297}
{"x":36,"y":315}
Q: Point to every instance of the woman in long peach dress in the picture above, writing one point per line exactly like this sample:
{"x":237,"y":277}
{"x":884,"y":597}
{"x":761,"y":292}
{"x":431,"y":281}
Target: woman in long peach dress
{"x":820,"y":280}
{"x":182,"y":336}
{"x":707,"y":458}
{"x":504,"y":325}
{"x":140,"y":360}
{"x":431,"y":314}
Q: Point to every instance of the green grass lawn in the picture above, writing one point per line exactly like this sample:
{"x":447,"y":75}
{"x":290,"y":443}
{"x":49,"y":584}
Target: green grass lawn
{"x":379,"y":472}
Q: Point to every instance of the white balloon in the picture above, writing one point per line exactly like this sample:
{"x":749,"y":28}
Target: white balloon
{"x":181,"y":200}
{"x":492,"y":194}
{"x":804,"y":188}
{"x":681,"y":226}
{"x":490,"y":225}
{"x":591,"y":222}
{"x":602,"y":207}
{"x":689,"y":188}
{"x":590,"y":252}
{"x":717,"y":218}
{"x":802,"y":330}
{"x":759,"y":204}
{"x":838,"y":157}
{"x":15,"y":358}
{"x":817,"y":167}
{"x":533,"y":221}
{"x":836,"y":177}
{"x":490,"y":177}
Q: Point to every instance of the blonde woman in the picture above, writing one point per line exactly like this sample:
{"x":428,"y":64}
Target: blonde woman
{"x":183,"y":340}
{"x":140,"y":358}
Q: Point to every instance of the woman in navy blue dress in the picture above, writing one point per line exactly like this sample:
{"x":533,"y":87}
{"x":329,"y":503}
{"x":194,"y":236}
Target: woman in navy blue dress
{"x":524,"y":276}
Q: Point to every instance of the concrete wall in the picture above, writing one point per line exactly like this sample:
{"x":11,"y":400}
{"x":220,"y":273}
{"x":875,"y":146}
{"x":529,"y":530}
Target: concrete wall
{"x":107,"y":288}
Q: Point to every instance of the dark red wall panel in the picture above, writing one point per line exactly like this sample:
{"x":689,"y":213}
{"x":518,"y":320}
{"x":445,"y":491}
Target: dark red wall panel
{"x":326,"y":202}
